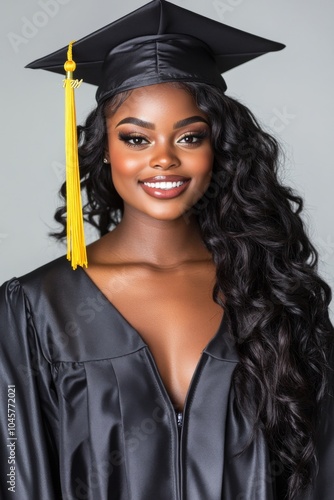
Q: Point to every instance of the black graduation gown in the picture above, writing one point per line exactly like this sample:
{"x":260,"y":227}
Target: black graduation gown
{"x":93,"y":420}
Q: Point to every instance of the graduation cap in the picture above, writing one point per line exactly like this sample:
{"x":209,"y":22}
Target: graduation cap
{"x":159,"y":42}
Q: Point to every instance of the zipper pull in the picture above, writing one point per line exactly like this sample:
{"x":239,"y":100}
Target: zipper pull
{"x":179,"y":418}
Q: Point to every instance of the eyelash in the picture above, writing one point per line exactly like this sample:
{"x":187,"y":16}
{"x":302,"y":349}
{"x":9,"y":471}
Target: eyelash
{"x":130,"y":137}
{"x":200,"y":136}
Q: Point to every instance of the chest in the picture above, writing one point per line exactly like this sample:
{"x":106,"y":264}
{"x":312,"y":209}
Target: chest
{"x":173,"y":312}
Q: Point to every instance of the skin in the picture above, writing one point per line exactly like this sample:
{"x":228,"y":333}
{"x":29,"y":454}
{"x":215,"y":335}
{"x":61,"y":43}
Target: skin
{"x":154,"y":267}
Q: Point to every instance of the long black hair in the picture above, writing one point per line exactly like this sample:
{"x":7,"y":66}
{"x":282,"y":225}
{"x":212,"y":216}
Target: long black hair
{"x":266,"y":280}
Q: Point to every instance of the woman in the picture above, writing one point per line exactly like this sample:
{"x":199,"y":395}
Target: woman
{"x":190,"y":359}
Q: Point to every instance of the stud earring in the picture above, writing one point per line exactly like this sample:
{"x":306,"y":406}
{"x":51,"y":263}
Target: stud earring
{"x":105,"y":160}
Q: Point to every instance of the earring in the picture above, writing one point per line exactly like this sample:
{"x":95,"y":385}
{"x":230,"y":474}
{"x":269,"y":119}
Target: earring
{"x":105,"y":160}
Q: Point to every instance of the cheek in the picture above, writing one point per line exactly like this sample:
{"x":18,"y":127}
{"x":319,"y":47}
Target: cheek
{"x":124,"y":163}
{"x":125,"y":173}
{"x":205,"y":164}
{"x":202,"y":177}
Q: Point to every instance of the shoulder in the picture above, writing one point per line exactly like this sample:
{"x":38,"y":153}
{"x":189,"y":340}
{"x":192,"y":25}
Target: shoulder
{"x":22,"y":300}
{"x":53,"y":273}
{"x":45,"y":301}
{"x":48,"y":282}
{"x":53,"y":283}
{"x":65,"y":311}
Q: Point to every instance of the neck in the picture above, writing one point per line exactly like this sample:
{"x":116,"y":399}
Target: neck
{"x":161,"y":243}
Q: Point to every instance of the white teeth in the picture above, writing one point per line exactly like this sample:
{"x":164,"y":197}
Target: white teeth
{"x":164,"y":185}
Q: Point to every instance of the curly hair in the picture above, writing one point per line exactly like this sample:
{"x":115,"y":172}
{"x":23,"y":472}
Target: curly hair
{"x":266,"y":269}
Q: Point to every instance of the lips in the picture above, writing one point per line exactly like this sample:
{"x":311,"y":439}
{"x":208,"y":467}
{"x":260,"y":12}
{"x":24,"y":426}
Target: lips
{"x":165,"y":186}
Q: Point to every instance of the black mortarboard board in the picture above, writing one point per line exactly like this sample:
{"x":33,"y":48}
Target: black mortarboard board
{"x":156,"y":43}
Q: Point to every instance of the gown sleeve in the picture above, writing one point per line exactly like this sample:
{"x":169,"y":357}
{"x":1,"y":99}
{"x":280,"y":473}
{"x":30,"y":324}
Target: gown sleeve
{"x":28,"y":405}
{"x":323,"y":484}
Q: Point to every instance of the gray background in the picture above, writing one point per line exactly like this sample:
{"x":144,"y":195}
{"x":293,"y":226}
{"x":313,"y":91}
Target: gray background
{"x":291,"y":92}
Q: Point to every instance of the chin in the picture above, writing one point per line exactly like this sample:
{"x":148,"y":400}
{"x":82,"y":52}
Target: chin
{"x":167,"y":215}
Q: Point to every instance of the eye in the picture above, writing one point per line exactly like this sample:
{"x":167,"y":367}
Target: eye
{"x":193,"y":138}
{"x":133,"y":140}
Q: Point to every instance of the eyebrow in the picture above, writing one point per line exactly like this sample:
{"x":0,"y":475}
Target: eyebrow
{"x":151,"y":126}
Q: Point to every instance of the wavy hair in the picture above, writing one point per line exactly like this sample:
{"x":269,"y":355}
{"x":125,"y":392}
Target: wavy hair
{"x":266,"y":269}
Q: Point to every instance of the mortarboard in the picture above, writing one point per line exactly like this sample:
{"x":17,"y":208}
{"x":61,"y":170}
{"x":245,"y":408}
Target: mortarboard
{"x":156,"y":43}
{"x":159,"y":42}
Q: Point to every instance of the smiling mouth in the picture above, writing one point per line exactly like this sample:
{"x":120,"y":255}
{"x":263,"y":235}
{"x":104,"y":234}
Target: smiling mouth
{"x":165,"y":187}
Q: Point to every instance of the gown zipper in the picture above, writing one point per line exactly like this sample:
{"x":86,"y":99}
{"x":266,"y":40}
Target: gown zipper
{"x":175,"y":428}
{"x":179,"y":423}
{"x":179,"y":417}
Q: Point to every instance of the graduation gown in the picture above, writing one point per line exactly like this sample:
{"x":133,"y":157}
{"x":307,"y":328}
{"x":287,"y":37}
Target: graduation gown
{"x":85,"y":416}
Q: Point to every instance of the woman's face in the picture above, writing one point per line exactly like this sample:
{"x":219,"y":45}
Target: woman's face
{"x":160,"y":151}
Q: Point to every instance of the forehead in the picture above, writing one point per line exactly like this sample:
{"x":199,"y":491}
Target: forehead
{"x":163,"y":98}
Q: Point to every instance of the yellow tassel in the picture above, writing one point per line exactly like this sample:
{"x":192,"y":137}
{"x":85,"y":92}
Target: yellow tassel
{"x":76,"y":248}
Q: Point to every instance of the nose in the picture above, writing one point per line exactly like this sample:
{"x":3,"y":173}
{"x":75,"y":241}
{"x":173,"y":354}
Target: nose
{"x":164,"y":157}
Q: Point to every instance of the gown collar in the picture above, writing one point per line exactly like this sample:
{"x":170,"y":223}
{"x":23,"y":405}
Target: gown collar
{"x":90,"y":327}
{"x":221,"y":346}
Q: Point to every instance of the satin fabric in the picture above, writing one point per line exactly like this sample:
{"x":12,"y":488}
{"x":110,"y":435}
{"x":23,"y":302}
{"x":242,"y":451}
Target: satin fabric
{"x":149,"y":60}
{"x":93,"y":418}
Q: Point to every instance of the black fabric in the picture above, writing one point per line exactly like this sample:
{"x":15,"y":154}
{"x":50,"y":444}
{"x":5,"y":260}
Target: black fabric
{"x":164,"y":58}
{"x":123,"y":55}
{"x":93,"y":419}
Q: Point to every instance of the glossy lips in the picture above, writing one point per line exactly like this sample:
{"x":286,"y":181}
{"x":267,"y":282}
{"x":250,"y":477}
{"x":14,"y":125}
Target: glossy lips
{"x":165,"y":186}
